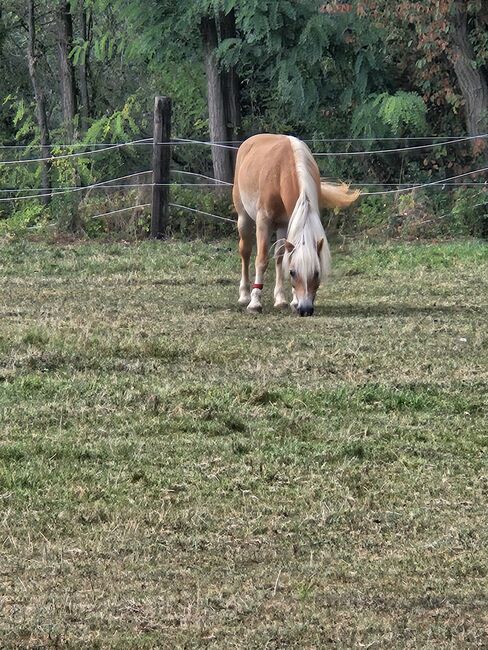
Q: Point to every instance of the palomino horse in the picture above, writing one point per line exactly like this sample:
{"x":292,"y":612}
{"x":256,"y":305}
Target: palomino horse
{"x":277,"y":186}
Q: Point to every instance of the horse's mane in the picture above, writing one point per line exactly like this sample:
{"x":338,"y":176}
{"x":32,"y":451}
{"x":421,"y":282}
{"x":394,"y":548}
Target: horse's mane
{"x":305,"y":228}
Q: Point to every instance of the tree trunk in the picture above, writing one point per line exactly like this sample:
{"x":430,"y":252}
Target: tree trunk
{"x":40,"y":100}
{"x":221,"y":157}
{"x":231,"y":83}
{"x":83,"y":73}
{"x":471,"y":79}
{"x":66,"y":72}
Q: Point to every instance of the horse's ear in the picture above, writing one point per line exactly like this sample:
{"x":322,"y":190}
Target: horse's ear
{"x":320,"y":244}
{"x":289,"y":246}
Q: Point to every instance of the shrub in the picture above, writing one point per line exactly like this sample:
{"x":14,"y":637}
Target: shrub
{"x":218,"y":201}
{"x":26,"y":216}
{"x":469,"y":213}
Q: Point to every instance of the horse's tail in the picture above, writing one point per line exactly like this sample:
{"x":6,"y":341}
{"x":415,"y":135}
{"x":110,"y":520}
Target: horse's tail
{"x":337,"y":196}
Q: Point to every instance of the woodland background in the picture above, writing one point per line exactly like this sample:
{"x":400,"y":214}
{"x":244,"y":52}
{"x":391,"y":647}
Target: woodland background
{"x":86,"y":72}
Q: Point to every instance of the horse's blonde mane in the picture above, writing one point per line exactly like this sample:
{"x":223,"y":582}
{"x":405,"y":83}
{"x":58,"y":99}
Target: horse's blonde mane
{"x":305,"y":228}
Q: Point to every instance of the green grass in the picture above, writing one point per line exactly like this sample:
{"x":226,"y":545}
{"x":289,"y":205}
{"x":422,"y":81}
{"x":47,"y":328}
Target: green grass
{"x":175,"y":473}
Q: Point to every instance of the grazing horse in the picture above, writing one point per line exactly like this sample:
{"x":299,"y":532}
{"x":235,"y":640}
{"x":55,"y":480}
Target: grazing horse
{"x":277,"y":187}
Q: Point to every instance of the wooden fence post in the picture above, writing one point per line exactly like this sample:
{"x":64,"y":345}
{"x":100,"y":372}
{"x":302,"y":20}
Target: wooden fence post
{"x":161,"y":163}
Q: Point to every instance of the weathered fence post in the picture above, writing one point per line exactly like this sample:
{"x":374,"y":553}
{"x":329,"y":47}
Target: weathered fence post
{"x":161,"y":163}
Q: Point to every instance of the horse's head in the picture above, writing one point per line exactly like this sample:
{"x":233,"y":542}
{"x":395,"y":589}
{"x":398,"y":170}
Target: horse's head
{"x":304,"y":264}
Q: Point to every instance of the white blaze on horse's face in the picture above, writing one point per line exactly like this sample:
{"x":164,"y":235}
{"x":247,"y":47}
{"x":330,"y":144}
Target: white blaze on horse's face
{"x":305,"y":278}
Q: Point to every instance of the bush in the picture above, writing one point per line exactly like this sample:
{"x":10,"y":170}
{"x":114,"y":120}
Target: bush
{"x":373,"y":211}
{"x":27,"y":215}
{"x":186,"y":224}
{"x":470,"y":213}
{"x":416,"y":214}
{"x":419,"y":214}
{"x":135,"y":224}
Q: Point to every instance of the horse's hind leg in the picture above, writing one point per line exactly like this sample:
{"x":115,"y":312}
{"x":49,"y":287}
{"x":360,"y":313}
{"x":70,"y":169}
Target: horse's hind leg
{"x":246,"y":233}
{"x":279,"y":292}
{"x":262,"y":241}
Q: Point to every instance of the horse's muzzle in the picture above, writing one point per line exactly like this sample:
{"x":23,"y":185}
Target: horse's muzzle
{"x":307,"y":310}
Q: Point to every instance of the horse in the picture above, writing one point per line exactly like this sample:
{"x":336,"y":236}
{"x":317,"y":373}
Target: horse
{"x":277,"y":187}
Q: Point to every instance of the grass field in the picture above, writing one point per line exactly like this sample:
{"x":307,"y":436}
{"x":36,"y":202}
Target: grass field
{"x":177,"y":474}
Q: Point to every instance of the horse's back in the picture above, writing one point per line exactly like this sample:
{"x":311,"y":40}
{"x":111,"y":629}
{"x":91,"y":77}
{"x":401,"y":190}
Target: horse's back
{"x":265,"y":178}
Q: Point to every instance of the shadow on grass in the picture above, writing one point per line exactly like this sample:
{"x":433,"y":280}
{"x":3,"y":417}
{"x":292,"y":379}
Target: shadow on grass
{"x":181,"y":282}
{"x":390,"y":309}
{"x":348,"y":310}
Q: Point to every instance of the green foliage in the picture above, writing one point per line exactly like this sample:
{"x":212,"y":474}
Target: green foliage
{"x":372,"y":211}
{"x":28,"y":215}
{"x":187,"y":90}
{"x":419,"y":214}
{"x":21,"y":115}
{"x":470,"y":213}
{"x":404,"y":113}
{"x":119,"y":126}
{"x":79,"y":51}
{"x":134,"y":223}
{"x":185,"y":224}
{"x":401,"y":114}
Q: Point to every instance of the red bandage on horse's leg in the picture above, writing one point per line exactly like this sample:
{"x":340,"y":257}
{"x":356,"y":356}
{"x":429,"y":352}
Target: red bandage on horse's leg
{"x":257,"y":286}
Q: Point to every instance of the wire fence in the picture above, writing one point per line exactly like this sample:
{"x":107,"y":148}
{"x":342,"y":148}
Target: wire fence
{"x":27,"y":194}
{"x":79,"y":154}
{"x":102,"y":148}
{"x":440,"y":140}
{"x":424,"y":185}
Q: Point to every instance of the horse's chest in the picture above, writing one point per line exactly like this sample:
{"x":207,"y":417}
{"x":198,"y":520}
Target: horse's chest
{"x":250,"y":201}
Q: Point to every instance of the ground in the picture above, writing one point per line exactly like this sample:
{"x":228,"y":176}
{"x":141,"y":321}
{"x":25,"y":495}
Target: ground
{"x":175,"y":473}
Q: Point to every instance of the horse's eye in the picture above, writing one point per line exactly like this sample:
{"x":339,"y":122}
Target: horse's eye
{"x":293,"y":273}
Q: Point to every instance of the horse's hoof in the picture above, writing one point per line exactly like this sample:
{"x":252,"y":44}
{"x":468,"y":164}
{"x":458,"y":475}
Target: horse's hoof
{"x":254,"y":309}
{"x":243,"y":302}
{"x":281,"y":305}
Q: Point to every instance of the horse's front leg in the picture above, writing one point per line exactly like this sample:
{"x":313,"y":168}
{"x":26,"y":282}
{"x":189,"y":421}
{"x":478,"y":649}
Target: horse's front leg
{"x":294,"y":302}
{"x":279,"y":292}
{"x":262,"y":241}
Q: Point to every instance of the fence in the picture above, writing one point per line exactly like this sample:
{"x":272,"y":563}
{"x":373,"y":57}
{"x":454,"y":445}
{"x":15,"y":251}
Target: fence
{"x":162,"y":144}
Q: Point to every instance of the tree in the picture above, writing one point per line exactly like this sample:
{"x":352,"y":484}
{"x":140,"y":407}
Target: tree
{"x":471,"y":77}
{"x":40,"y":99}
{"x":217,"y":101}
{"x":85,"y":19}
{"x":439,"y":37}
{"x":231,"y":80}
{"x":64,"y":28}
{"x":165,"y":30}
{"x":281,"y":58}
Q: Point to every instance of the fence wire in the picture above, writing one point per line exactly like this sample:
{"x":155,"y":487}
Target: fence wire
{"x":423,"y":185}
{"x":319,"y":138}
{"x":173,"y":205}
{"x":114,"y":183}
{"x":80,"y":154}
{"x":130,"y":207}
{"x":180,"y":141}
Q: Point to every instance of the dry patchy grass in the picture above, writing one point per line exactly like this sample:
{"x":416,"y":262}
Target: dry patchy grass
{"x":174,"y":473}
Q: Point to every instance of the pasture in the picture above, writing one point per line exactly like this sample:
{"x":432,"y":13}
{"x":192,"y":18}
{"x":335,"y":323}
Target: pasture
{"x":175,"y":473}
